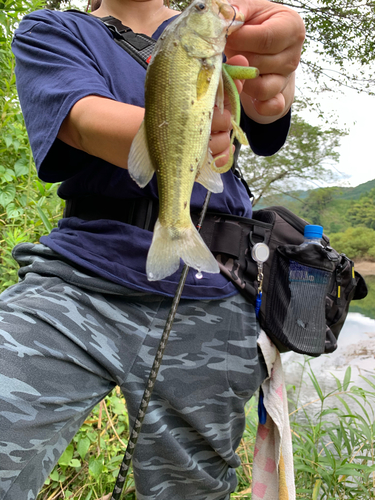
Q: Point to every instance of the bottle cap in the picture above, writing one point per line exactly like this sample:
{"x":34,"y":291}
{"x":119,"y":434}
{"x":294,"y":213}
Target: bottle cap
{"x":313,"y":232}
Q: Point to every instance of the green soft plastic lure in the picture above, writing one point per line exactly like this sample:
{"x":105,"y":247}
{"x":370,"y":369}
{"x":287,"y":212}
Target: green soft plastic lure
{"x":229,"y":74}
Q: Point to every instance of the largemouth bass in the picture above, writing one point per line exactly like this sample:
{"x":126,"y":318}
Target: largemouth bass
{"x":184,"y":80}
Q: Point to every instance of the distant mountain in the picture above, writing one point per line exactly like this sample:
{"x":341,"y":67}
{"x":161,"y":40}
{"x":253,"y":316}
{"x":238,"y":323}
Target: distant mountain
{"x":356,"y":192}
{"x":287,"y":199}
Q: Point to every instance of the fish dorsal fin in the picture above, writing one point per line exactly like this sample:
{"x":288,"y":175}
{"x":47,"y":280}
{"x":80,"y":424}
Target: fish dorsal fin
{"x":207,"y":177}
{"x":140,"y":166}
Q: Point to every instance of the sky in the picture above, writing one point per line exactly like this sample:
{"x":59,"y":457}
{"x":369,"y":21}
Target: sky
{"x":355,"y":113}
{"x":357,"y":151}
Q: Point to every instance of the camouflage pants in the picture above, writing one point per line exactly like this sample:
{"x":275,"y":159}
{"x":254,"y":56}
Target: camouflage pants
{"x":67,"y":339}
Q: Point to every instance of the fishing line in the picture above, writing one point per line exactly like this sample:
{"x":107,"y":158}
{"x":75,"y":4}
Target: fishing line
{"x":125,"y":465}
{"x":233,"y":19}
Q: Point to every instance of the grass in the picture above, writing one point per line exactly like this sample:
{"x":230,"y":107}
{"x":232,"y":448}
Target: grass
{"x":333,"y":440}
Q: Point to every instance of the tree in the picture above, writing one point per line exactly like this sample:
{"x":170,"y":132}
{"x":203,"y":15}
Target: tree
{"x":316,"y":204}
{"x":339,"y":33}
{"x":355,"y":242}
{"x":362,"y":212}
{"x":306,"y":156}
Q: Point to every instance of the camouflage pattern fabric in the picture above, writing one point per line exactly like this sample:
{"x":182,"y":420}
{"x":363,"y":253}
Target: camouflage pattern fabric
{"x":68,"y":338}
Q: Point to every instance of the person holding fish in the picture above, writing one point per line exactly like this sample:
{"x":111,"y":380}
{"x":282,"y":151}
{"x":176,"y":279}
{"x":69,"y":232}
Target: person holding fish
{"x":86,"y":314}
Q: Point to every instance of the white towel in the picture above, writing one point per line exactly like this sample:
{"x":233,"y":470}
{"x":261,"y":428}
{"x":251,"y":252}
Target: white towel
{"x":273,"y":471}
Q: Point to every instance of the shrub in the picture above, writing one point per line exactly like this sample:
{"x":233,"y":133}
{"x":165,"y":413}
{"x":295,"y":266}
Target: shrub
{"x":356,"y":243}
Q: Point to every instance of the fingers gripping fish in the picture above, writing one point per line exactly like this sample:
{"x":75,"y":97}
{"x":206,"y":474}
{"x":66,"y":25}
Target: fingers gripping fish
{"x":184,"y":80}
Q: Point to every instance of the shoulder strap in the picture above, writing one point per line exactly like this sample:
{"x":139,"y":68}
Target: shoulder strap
{"x":138,"y":45}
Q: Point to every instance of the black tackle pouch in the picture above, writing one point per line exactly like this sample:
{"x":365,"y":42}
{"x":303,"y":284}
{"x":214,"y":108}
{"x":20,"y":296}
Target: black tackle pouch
{"x":300,"y":281}
{"x":306,"y":291}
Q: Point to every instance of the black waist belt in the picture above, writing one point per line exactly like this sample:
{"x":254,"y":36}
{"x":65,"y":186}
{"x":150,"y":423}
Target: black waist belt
{"x":140,"y":212}
{"x":219,"y":236}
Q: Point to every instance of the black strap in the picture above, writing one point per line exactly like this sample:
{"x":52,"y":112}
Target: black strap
{"x":138,"y":45}
{"x":140,"y":212}
{"x":218,"y":235}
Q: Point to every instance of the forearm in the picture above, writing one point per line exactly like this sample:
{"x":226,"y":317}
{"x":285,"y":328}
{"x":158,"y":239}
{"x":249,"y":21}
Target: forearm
{"x":103,"y":128}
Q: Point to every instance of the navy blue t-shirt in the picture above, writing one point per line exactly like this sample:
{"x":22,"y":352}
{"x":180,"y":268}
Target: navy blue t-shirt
{"x":62,"y":57}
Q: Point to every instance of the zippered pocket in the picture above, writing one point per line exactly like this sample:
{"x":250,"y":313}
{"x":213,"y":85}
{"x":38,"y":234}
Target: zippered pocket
{"x":295,"y":221}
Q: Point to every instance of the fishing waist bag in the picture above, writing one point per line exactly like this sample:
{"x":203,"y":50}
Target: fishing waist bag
{"x":305,"y":293}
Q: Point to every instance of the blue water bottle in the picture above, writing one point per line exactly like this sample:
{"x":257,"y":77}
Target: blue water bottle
{"x":312,"y":235}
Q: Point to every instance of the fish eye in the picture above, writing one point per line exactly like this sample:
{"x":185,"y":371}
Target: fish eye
{"x":200,"y":6}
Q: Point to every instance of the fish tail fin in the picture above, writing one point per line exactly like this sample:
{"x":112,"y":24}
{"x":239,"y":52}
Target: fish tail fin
{"x":163,"y":256}
{"x":166,"y":251}
{"x":195,"y":253}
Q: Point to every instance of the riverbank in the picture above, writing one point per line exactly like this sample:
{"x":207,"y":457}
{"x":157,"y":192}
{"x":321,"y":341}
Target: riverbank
{"x":366,"y":268}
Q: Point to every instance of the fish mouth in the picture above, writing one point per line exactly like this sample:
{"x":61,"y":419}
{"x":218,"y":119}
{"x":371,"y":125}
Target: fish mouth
{"x":232,"y":18}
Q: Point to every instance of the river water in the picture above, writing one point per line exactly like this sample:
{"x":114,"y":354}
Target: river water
{"x":356,"y":348}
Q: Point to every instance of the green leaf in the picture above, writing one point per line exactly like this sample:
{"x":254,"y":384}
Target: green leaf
{"x":88,"y":497}
{"x":7,"y":194}
{"x":316,"y":489}
{"x":83,"y":446}
{"x":118,"y":407}
{"x":315,"y":382}
{"x":13,"y":212}
{"x":347,"y":378}
{"x":8,"y":175}
{"x":368,"y":381}
{"x":96,"y":466}
{"x":66,"y":456}
{"x":21,"y":168}
{"x":54,"y":475}
{"x":75,"y":463}
{"x":8,"y":140}
{"x":40,"y":186}
{"x":44,"y":218}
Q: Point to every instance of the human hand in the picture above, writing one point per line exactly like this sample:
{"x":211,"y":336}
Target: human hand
{"x":220,"y":134}
{"x":271,"y":40}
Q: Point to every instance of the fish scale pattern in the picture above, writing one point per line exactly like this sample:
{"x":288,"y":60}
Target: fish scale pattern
{"x":67,"y":339}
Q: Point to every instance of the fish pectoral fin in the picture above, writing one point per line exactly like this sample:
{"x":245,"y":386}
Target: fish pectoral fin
{"x":206,"y":176}
{"x":219,"y":101}
{"x":164,"y":256}
{"x":140,"y":166}
{"x":204,"y":80}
